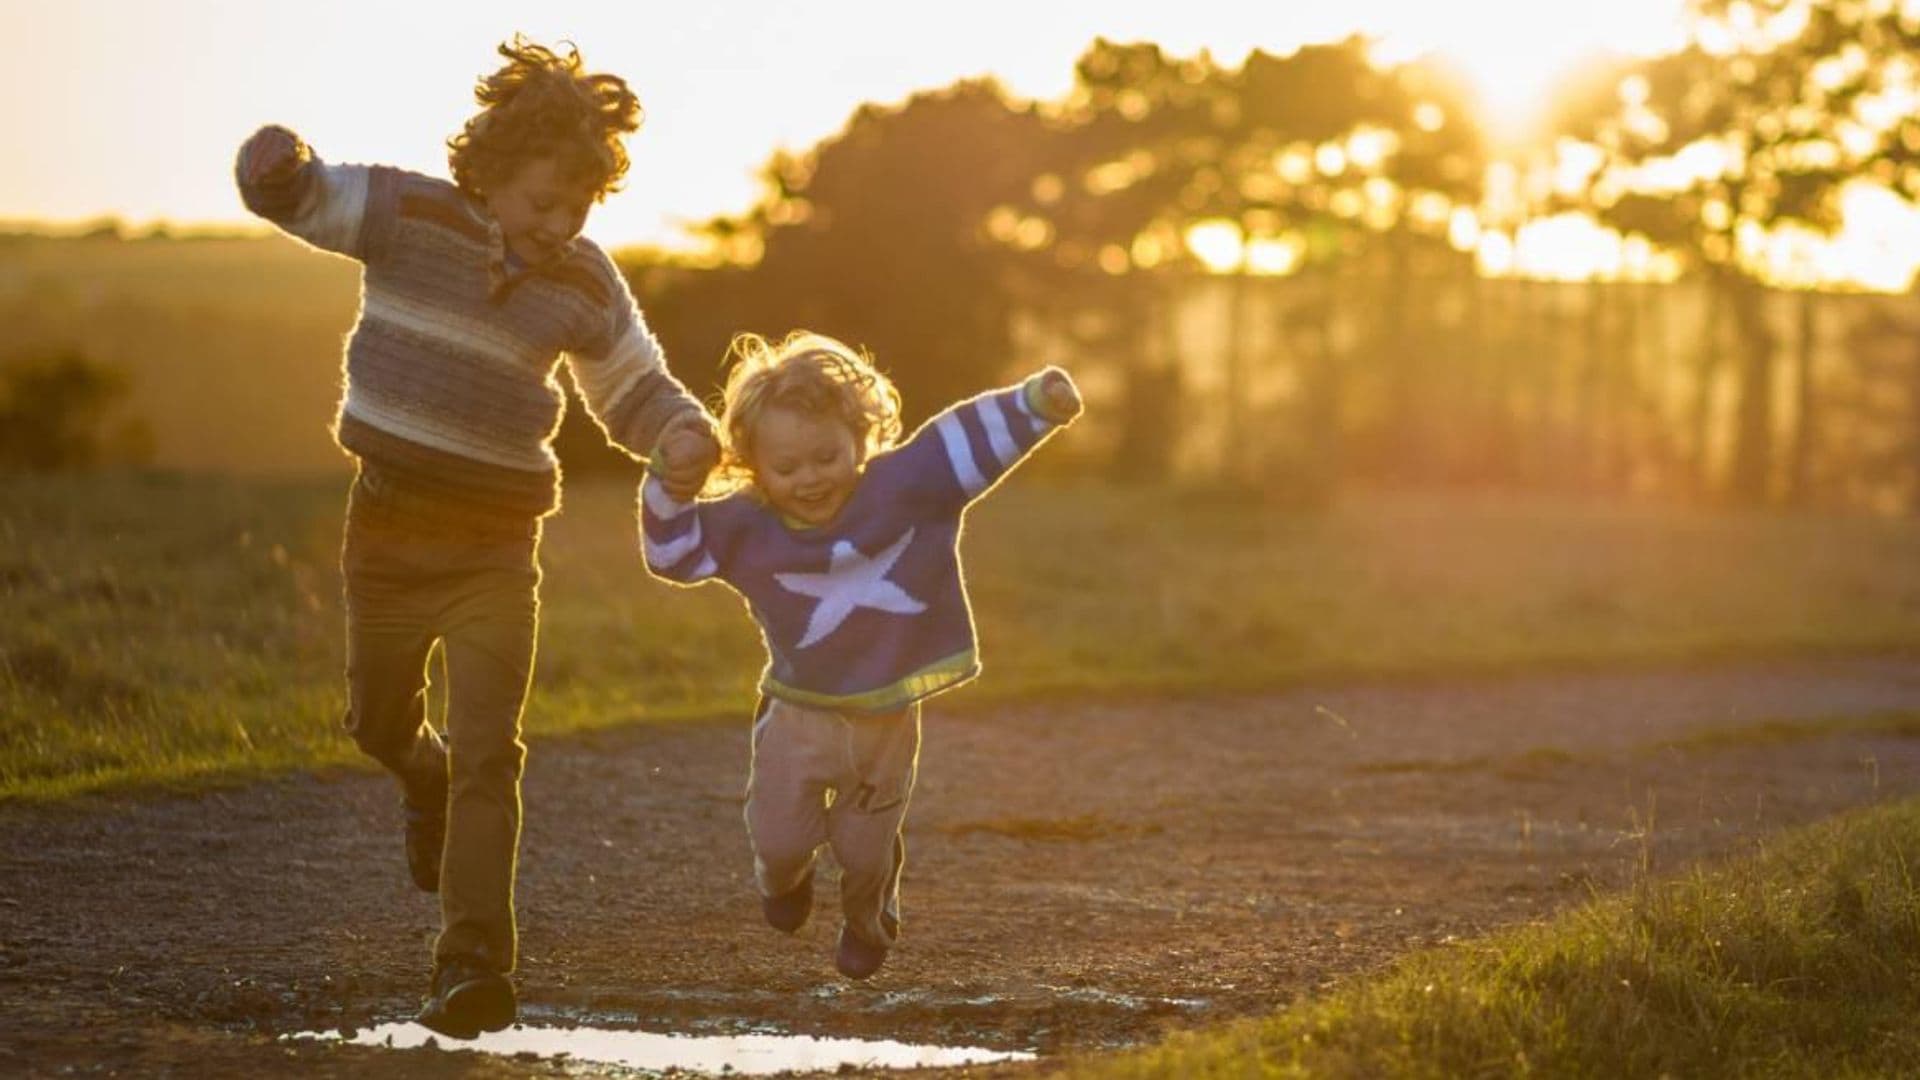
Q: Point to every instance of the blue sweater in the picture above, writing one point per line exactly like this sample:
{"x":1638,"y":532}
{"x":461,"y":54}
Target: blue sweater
{"x":868,"y":612}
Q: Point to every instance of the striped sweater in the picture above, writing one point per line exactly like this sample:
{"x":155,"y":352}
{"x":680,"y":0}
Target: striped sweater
{"x":451,"y":394}
{"x":868,"y":612}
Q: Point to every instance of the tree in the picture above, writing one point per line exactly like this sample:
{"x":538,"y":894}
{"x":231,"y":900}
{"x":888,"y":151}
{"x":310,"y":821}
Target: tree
{"x":1095,"y":237}
{"x":1361,"y":164}
{"x":1747,"y":136}
{"x":1308,"y":158}
{"x":876,"y":236}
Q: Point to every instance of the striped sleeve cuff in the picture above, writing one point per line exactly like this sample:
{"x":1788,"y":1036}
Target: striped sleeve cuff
{"x":672,"y":540}
{"x":1034,"y":401}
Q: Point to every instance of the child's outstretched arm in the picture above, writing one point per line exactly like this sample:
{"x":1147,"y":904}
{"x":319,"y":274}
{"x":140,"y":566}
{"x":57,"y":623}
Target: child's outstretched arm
{"x":623,"y":377}
{"x":964,"y":450}
{"x":338,"y":208}
{"x":674,"y":535}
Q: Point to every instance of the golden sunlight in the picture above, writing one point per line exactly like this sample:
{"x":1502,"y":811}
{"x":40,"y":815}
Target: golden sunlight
{"x":1217,"y":243}
{"x":1276,"y":256}
{"x":1514,"y":54}
{"x":1877,"y":249}
{"x":1571,"y":246}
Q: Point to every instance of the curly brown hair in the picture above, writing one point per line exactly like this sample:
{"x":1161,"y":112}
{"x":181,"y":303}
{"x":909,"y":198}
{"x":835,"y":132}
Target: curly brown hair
{"x":809,"y":373}
{"x":544,"y":104}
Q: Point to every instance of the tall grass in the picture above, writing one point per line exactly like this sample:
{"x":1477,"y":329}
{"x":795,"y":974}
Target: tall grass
{"x":160,"y":628}
{"x":1801,"y":961}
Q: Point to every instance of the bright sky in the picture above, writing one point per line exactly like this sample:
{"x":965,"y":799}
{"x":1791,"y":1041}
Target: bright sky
{"x":134,"y":107}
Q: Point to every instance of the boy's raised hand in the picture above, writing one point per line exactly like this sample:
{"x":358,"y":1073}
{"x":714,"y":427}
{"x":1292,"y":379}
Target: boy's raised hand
{"x":270,"y":155}
{"x":1061,"y":396}
{"x":688,"y":452}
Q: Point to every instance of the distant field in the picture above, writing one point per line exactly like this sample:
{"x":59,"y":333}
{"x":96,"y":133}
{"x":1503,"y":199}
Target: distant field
{"x":232,"y":347}
{"x":162,"y":629}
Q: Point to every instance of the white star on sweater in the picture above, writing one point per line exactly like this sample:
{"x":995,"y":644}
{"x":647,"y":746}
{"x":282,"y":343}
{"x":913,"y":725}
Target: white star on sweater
{"x":851,"y":581}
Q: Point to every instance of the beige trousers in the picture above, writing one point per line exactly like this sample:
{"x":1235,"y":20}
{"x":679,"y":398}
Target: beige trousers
{"x":821,"y":777}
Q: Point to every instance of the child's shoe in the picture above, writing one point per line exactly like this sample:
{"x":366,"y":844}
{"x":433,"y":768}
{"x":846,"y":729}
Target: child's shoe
{"x":788,"y":912}
{"x":467,"y":998}
{"x":857,"y":958}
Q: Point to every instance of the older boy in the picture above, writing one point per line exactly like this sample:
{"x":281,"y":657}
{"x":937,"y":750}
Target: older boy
{"x":472,"y":292}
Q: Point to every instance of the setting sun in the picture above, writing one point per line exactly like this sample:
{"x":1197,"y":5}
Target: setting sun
{"x":1514,"y":54}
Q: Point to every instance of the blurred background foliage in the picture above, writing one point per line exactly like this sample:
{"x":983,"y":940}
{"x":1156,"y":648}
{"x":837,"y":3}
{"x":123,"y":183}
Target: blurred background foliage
{"x":1290,"y":275}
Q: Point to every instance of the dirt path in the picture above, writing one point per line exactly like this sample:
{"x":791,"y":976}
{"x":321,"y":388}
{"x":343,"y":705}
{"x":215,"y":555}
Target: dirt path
{"x":1079,"y":876}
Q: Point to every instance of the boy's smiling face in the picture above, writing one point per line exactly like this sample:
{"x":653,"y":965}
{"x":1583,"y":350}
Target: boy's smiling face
{"x":807,"y":466}
{"x":540,"y":208}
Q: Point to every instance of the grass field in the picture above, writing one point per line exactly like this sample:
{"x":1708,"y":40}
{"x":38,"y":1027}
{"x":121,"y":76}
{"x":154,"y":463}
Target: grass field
{"x":166,"y":629}
{"x":230,"y":348}
{"x":1795,"y":962}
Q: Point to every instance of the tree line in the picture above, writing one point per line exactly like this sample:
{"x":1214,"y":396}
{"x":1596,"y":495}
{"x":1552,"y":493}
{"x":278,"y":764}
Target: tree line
{"x":963,"y":230}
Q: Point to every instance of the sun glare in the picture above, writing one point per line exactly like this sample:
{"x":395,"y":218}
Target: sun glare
{"x":1876,"y":250}
{"x":1515,"y":52}
{"x":1217,"y":244}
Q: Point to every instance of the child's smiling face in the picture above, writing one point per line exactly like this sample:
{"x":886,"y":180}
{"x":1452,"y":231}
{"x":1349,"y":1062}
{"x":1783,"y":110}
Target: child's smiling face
{"x":806,"y":465}
{"x":540,"y":208}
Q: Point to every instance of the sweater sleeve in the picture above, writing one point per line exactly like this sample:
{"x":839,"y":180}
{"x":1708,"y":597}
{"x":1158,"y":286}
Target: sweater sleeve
{"x":345,"y":209}
{"x":680,"y":540}
{"x":963,"y":451}
{"x":622,"y":371}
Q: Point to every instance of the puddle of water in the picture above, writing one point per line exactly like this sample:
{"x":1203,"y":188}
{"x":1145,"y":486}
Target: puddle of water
{"x":1090,"y":995}
{"x":736,"y":1055}
{"x":1040,"y":995}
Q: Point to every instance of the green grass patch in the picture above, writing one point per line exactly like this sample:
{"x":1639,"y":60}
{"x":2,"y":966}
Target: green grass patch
{"x":161,"y":629}
{"x":1802,"y":960}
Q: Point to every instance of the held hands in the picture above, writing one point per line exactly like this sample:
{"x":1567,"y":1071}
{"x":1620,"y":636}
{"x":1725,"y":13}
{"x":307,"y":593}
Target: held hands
{"x":688,"y":451}
{"x":271,"y":156}
{"x":1060,"y":397}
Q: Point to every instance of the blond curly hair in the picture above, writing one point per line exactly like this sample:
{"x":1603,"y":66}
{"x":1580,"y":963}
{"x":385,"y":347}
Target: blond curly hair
{"x":544,"y":103}
{"x":812,"y":374}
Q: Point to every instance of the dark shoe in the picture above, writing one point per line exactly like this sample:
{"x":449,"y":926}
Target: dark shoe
{"x":467,"y":999}
{"x":788,"y":912}
{"x":426,"y":839}
{"x":856,"y":958}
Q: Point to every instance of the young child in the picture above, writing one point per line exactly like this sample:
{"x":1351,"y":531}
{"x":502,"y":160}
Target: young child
{"x":846,"y":551}
{"x":472,"y":291}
